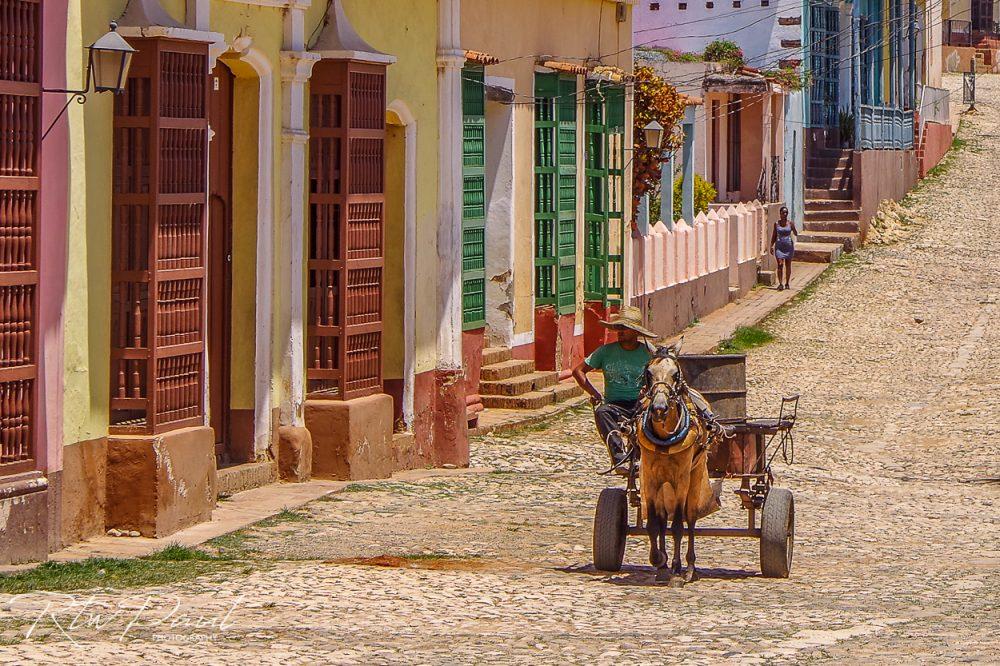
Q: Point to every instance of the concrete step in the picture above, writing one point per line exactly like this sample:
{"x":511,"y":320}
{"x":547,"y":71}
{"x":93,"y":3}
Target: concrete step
{"x":533,"y":381}
{"x":850,"y":241}
{"x":817,"y":193}
{"x":844,"y":161}
{"x":565,"y":390}
{"x":529,"y":400}
{"x":493,"y":355}
{"x":829,"y":172}
{"x":830,"y":183}
{"x":818,"y":253}
{"x":833,"y":215}
{"x":236,"y":479}
{"x":828,"y":153}
{"x":495,"y":372}
{"x":834,"y":226}
{"x":767,"y":278}
{"x":829,"y":204}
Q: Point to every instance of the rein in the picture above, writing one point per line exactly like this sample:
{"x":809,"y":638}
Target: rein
{"x":683,"y":427}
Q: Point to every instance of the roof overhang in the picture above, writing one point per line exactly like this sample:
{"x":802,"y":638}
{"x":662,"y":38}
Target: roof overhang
{"x":338,"y":40}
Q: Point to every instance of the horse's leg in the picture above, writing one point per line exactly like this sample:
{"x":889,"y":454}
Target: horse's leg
{"x":677,"y":527}
{"x":654,"y":529}
{"x":691,"y":573}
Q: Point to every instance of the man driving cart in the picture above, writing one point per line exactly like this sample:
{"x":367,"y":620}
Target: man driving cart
{"x":623,"y":364}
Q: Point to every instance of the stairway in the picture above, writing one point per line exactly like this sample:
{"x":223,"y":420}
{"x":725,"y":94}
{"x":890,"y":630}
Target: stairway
{"x":832,"y":223}
{"x":509,"y":383}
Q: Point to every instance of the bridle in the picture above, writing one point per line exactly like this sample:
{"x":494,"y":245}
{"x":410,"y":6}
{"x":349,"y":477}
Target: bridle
{"x":675,"y":394}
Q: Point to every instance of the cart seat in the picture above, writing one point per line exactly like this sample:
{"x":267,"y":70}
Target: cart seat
{"x":770,"y":425}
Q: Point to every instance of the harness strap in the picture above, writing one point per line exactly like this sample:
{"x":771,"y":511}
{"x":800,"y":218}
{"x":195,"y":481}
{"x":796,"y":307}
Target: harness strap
{"x":679,"y":434}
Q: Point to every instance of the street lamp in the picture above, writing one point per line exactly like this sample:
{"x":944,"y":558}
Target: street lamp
{"x":107,"y":68}
{"x":110,"y":59}
{"x":653,"y":133}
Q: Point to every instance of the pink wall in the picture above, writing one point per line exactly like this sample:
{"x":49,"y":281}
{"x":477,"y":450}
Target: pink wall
{"x":936,"y":142}
{"x":52,"y":238}
{"x":881,"y":175}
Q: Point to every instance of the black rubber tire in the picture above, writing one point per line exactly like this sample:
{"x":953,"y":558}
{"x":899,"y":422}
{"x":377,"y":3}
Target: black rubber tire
{"x":777,"y":533}
{"x":610,"y":529}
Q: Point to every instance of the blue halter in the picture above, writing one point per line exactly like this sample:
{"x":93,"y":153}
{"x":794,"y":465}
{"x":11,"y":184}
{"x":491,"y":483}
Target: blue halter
{"x":679,"y":434}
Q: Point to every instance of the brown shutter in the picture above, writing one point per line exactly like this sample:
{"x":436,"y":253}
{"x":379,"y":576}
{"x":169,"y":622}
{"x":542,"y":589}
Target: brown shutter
{"x":20,"y":143}
{"x":346,"y":201}
{"x":158,"y":250}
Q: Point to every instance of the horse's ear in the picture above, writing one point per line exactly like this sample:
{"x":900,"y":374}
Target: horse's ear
{"x":675,"y":349}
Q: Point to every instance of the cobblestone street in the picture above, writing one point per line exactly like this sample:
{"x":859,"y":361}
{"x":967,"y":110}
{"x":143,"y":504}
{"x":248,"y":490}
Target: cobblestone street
{"x":896,"y":478}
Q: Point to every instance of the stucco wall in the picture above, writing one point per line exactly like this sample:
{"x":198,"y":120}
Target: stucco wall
{"x":881,"y":175}
{"x":754,"y":28}
{"x":937,"y":140}
{"x":512,"y":30}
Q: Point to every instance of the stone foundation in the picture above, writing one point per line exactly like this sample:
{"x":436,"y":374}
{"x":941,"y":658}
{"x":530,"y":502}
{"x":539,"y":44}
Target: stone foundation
{"x":84,"y":490}
{"x":294,"y":454}
{"x":24,"y":518}
{"x":352,"y":439}
{"x":160,"y":484}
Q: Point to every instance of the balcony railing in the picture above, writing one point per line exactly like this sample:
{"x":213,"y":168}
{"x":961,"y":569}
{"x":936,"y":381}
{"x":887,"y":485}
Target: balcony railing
{"x":884,"y":128}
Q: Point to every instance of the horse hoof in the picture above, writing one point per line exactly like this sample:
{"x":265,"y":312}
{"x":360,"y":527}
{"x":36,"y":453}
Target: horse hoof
{"x":663,"y":575}
{"x":691,"y":575}
{"x":657,"y":559}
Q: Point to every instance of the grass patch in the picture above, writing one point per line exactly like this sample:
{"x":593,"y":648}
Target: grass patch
{"x":172,"y":564}
{"x":284,"y":516}
{"x":744,"y":338}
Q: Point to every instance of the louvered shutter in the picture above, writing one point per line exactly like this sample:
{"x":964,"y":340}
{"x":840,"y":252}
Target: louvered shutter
{"x":346,"y":217}
{"x":567,"y":195}
{"x":473,"y":198}
{"x":158,"y":239}
{"x":20,"y":139}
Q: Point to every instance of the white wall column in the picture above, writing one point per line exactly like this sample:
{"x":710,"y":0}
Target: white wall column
{"x":450,"y":60}
{"x":500,"y":217}
{"x":296,"y":67}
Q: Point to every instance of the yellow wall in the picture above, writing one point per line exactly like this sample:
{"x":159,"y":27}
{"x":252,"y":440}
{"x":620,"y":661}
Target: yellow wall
{"x":568,"y":30}
{"x":87,"y":315}
{"x":411,"y":36}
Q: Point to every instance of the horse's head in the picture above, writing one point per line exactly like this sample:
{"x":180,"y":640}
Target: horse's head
{"x":663,"y":382}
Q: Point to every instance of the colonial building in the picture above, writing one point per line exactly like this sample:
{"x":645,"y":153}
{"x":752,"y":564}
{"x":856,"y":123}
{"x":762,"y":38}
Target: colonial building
{"x":307,"y":238}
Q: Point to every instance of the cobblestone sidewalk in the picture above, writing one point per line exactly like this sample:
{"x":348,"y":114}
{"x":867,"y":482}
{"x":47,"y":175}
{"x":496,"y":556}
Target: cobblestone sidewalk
{"x":897,"y":357}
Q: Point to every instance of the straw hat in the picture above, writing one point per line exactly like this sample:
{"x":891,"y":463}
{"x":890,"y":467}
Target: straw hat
{"x":629,"y":317}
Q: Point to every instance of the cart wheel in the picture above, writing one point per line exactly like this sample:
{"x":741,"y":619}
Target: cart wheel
{"x":777,"y":533}
{"x":610,"y":529}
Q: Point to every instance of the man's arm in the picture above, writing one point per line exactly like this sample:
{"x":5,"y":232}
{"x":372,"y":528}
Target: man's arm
{"x":580,"y":375}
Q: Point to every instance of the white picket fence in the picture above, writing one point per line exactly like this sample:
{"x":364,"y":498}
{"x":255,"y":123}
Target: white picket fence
{"x":721,"y":239}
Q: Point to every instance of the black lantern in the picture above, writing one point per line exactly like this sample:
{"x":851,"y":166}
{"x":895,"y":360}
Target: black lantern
{"x":110,"y":59}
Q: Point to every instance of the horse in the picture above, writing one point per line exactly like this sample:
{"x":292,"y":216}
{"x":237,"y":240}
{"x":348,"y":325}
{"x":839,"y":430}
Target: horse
{"x":674,"y":432}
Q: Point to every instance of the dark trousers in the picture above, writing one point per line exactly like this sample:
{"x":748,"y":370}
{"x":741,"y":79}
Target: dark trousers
{"x":609,"y":417}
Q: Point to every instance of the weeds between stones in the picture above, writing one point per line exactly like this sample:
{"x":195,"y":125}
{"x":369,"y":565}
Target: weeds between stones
{"x":743,"y":339}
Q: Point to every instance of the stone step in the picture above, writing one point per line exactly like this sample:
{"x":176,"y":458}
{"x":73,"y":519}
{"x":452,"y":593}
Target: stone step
{"x":529,"y":400}
{"x":828,"y":153}
{"x":533,"y":381}
{"x":818,"y":193}
{"x":827,"y":226}
{"x":830,"y":183}
{"x":843,"y":161}
{"x":493,"y":355}
{"x":495,"y":372}
{"x":829,"y":204}
{"x":818,"y":253}
{"x":850,"y":241}
{"x":829,"y":172}
{"x":565,"y":390}
{"x":236,"y":479}
{"x":767,"y":278}
{"x":827,"y":215}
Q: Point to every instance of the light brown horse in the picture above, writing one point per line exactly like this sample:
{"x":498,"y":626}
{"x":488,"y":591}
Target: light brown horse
{"x":674,"y":439}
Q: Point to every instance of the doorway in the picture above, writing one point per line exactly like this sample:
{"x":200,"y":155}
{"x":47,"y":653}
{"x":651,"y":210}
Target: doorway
{"x":220,"y":261}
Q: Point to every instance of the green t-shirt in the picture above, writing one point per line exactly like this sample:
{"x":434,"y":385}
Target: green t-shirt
{"x":622,"y":370}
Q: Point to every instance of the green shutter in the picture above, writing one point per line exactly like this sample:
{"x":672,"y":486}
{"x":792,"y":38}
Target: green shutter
{"x":473,"y":198}
{"x":604,"y":210}
{"x":555,"y":191}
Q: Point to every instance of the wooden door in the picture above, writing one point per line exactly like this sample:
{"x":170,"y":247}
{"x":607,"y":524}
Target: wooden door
{"x":220,"y":258}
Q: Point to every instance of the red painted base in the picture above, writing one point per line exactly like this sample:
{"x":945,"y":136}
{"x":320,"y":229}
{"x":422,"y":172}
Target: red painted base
{"x":556,"y":347}
{"x":595,"y":333}
{"x":440,"y":427}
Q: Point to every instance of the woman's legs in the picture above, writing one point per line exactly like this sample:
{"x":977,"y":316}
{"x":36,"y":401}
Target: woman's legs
{"x":780,"y":264}
{"x":788,"y":272}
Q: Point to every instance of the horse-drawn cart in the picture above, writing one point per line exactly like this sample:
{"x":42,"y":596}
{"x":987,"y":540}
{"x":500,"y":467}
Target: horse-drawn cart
{"x":745,"y":455}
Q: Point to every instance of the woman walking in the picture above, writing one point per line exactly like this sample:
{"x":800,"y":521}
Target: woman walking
{"x":783,"y":247}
